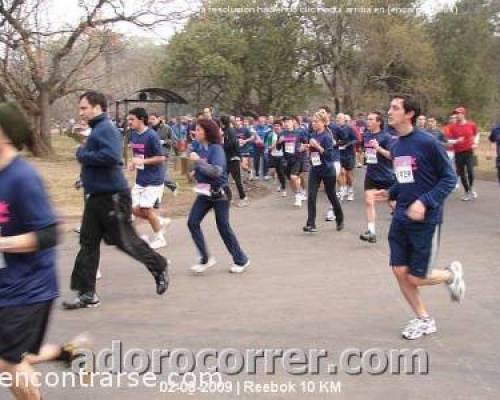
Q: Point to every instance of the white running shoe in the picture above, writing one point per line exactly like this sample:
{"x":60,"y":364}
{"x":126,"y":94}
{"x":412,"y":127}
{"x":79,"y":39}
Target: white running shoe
{"x":303,"y":196}
{"x":238,"y":269}
{"x":467,"y":197}
{"x":283,"y":193}
{"x":243,"y":202}
{"x":278,"y":189}
{"x":457,"y":286}
{"x":146,"y":238}
{"x":474,"y":194}
{"x":330,"y":215}
{"x":164,"y":223}
{"x":158,"y":242}
{"x":200,"y":268}
{"x":298,"y":200}
{"x":416,"y":328}
{"x":350,"y":196}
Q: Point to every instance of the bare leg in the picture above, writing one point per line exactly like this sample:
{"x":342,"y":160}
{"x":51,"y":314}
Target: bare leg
{"x":370,"y":207}
{"x":409,"y":286}
{"x":153,"y":219}
{"x":26,"y":390}
{"x":48,"y":352}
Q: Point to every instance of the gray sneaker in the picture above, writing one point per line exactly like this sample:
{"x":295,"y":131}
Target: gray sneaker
{"x":457,"y":286}
{"x":416,"y":328}
{"x":84,"y":300}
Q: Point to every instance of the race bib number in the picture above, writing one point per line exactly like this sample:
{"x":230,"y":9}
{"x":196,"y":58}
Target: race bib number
{"x":315,"y":159}
{"x":371,"y":155}
{"x":203,"y":189}
{"x":141,"y":156}
{"x":403,"y":169}
{"x":277,"y":153}
{"x":290,"y":147}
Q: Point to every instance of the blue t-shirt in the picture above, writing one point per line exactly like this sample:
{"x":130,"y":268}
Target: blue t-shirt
{"x":332,"y":128}
{"x":324,"y":165}
{"x":214,"y":155}
{"x":346,"y":139}
{"x":146,"y":145}
{"x":291,"y":144}
{"x":379,"y":168}
{"x":28,"y":278}
{"x":495,"y":138}
{"x":262,"y":132}
{"x":423,"y":172}
{"x":244,"y":133}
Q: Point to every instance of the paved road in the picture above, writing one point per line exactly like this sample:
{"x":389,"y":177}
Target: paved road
{"x":328,"y":291}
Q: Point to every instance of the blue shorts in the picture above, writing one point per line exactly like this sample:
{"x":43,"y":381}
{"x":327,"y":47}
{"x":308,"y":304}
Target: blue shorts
{"x":413,"y":245}
{"x":348,"y":162}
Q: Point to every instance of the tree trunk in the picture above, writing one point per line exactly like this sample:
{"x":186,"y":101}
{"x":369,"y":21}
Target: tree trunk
{"x":43,"y":144}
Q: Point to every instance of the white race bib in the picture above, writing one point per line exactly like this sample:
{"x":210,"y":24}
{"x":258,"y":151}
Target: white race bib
{"x":315,"y":159}
{"x":203,"y":189}
{"x":403,"y":169}
{"x":371,"y":155}
{"x":277,"y":153}
{"x":290,"y":147}
{"x":141,"y":156}
{"x":342,"y":147}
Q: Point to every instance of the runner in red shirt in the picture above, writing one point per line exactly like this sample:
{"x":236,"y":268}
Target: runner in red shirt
{"x":463,"y":136}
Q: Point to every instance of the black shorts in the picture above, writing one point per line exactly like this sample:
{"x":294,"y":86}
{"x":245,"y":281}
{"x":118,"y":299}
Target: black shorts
{"x":293,"y":167}
{"x":22,"y":330}
{"x":348,"y":163}
{"x":306,"y":165}
{"x":370,"y":184}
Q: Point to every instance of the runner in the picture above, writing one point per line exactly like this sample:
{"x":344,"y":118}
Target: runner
{"x":465,"y":133}
{"x":379,"y":173}
{"x":276,"y":153}
{"x":424,"y":180}
{"x":304,"y":156}
{"x":108,"y":209}
{"x":332,"y":128}
{"x":147,"y":160}
{"x":433,"y":129}
{"x":260,"y":158}
{"x":346,"y":140}
{"x":421,"y":122}
{"x":167,"y":140}
{"x":28,"y":282}
{"x":291,"y":143}
{"x":233,"y":158}
{"x":246,"y":139}
{"x":494,"y":138}
{"x":322,"y":170}
{"x":213,"y":192}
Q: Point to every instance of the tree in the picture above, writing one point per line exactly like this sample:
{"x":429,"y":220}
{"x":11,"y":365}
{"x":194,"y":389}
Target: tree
{"x":249,"y":62}
{"x":467,"y":50}
{"x":40,"y":64}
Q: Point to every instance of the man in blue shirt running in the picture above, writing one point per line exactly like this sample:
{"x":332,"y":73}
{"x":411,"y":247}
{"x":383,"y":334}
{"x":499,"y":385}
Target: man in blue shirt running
{"x":424,"y":179}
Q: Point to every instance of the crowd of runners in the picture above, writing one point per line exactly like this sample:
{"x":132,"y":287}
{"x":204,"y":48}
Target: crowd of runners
{"x":409,"y":163}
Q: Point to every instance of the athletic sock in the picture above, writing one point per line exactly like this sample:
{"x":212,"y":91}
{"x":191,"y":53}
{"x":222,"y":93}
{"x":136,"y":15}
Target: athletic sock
{"x":371,"y":227}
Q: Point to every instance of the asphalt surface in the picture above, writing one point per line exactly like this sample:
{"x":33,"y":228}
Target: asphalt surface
{"x":325,"y":291}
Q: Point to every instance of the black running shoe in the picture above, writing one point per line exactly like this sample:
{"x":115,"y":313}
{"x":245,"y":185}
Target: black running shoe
{"x":310,"y":229}
{"x":85,"y":300}
{"x":162,"y":282}
{"x":368,"y":237}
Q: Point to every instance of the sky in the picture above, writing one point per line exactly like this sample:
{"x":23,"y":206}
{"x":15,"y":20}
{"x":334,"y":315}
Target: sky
{"x":67,"y":11}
